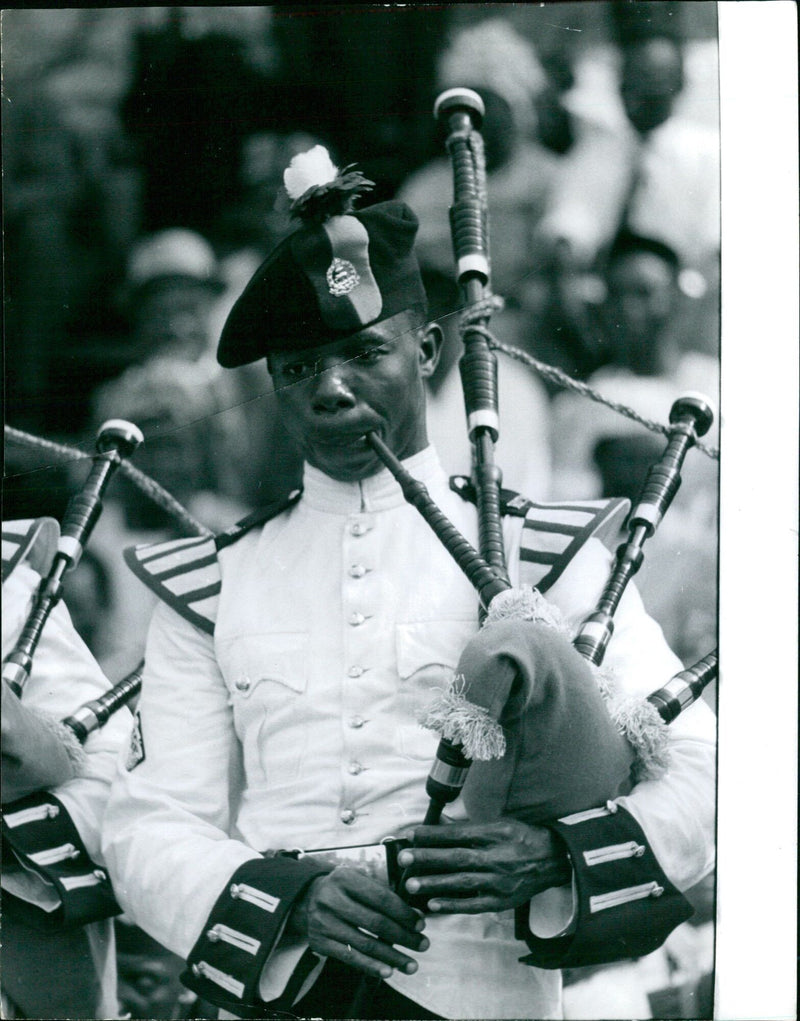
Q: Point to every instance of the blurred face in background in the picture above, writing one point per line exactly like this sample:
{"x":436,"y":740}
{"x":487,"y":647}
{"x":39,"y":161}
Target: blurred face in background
{"x":652,"y":77}
{"x":642,"y":298}
{"x":172,"y":316}
{"x":177,"y":456}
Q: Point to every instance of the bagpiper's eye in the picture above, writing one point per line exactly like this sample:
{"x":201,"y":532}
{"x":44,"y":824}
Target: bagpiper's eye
{"x":370,"y":354}
{"x":295,"y":371}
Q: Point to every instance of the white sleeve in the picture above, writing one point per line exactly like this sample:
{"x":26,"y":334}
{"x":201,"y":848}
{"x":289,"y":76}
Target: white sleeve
{"x":65,"y":675}
{"x":677,"y":811}
{"x":166,"y":832}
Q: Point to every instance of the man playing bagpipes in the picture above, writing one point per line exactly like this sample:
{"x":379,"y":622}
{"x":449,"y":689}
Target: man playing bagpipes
{"x":58,"y":944}
{"x":292,"y":657}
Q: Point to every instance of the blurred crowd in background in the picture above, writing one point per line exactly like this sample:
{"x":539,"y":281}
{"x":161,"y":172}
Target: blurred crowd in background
{"x":144,"y":150}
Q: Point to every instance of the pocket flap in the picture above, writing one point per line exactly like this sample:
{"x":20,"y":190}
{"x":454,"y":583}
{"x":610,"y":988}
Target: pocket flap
{"x":432,"y":643}
{"x":249,"y":660}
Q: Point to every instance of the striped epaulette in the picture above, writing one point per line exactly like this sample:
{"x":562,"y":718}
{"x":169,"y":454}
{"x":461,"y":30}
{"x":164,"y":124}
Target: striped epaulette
{"x":34,"y":539}
{"x":185,"y":573}
{"x":552,"y":533}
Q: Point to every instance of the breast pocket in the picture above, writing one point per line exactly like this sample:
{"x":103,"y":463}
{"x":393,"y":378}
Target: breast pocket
{"x":427,"y":657}
{"x":267,"y":676}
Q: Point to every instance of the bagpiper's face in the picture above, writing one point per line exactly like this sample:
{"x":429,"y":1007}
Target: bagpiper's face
{"x":331,"y":396}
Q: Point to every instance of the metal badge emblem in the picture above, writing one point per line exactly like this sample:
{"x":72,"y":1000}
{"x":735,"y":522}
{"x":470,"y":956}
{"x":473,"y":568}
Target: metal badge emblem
{"x":342,"y":277}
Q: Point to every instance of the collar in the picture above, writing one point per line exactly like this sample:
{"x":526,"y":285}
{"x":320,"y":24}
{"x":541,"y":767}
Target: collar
{"x":376,"y":493}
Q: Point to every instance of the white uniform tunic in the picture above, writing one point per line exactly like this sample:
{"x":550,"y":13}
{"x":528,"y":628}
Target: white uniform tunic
{"x":336,"y":622}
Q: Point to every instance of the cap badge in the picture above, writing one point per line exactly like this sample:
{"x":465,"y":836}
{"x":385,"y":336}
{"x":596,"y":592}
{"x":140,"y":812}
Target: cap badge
{"x":342,"y":277}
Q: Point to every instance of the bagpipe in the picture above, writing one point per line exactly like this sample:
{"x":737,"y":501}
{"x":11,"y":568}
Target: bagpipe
{"x":115,"y":442}
{"x":500,"y":678}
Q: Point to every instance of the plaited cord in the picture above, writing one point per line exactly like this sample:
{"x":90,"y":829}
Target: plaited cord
{"x":147,"y":485}
{"x":471,"y":320}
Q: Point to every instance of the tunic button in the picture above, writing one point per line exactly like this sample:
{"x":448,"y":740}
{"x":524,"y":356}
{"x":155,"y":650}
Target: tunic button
{"x":355,"y":768}
{"x":356,"y":722}
{"x":243,"y":684}
{"x":348,"y":816}
{"x":355,"y":671}
{"x":359,"y":528}
{"x":356,"y":619}
{"x":357,"y":570}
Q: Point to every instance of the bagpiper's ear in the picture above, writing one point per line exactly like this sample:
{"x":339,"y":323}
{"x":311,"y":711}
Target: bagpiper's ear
{"x":430,"y":349}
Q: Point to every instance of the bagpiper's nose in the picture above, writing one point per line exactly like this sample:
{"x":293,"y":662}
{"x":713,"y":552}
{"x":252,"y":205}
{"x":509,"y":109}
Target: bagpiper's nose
{"x":332,"y":392}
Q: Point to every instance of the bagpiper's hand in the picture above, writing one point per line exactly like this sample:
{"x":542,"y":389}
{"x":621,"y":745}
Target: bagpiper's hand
{"x":474,"y":867}
{"x":38,"y":752}
{"x":351,"y":917}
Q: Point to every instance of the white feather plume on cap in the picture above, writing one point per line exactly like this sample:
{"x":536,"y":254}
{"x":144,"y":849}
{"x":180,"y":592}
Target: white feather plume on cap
{"x":319,"y":190}
{"x":310,"y":169}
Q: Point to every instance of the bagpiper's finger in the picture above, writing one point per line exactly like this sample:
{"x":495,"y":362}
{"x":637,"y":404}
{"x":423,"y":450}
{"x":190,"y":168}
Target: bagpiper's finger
{"x":444,"y":859}
{"x":376,"y":898}
{"x":348,"y":954}
{"x":466,"y":905}
{"x":368,"y":946}
{"x":455,"y":835}
{"x":388,"y":931}
{"x":455,"y":883}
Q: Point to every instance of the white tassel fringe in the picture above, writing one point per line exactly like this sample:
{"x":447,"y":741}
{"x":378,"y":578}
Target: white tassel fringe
{"x":524,"y":604}
{"x":453,"y":717}
{"x":458,"y":720}
{"x":646,"y":733}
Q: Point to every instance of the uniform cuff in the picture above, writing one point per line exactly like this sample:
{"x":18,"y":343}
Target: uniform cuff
{"x":245,"y":924}
{"x":626,"y":906}
{"x":40,"y":834}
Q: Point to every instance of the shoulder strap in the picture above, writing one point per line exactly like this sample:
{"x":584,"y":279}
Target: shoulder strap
{"x":258,"y":517}
{"x":34,"y":539}
{"x":185,"y":573}
{"x":552,"y":533}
